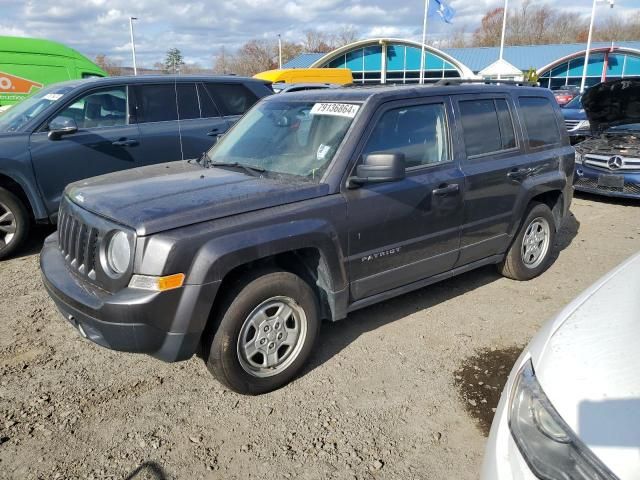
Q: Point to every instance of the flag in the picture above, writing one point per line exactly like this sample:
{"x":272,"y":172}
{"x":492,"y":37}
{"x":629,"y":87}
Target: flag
{"x":445,"y":11}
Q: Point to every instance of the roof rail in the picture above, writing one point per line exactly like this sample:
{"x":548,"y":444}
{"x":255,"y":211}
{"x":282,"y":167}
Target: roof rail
{"x":459,"y":81}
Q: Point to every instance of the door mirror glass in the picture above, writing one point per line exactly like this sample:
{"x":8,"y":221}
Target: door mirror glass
{"x":380,"y":167}
{"x":60,"y":126}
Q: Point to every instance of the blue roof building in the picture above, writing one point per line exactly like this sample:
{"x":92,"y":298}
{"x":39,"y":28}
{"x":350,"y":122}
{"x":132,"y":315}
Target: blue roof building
{"x":388,"y":60}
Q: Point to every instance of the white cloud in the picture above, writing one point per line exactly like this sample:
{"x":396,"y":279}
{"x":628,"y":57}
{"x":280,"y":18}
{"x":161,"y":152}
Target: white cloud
{"x":201,"y":27}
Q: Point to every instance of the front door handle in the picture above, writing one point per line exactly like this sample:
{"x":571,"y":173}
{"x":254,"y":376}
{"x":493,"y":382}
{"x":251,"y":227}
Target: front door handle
{"x":446,"y":189}
{"x":213,"y":132}
{"x":125,"y":142}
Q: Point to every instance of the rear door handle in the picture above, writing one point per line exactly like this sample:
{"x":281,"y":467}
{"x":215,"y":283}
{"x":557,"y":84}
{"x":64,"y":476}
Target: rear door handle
{"x":519,"y":173}
{"x":125,"y":142}
{"x":446,"y":189}
{"x":213,"y":132}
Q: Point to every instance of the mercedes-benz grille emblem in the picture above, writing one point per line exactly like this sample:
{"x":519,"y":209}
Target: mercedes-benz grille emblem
{"x":615,"y":162}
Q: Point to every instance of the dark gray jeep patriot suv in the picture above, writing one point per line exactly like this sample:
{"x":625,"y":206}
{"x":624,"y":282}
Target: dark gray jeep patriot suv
{"x":313,"y":205}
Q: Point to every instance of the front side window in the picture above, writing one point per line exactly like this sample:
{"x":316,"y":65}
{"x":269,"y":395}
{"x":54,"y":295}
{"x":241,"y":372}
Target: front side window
{"x":102,"y":108}
{"x":539,"y":121}
{"x":487,"y":126}
{"x":287,"y":138}
{"x":419,"y":132}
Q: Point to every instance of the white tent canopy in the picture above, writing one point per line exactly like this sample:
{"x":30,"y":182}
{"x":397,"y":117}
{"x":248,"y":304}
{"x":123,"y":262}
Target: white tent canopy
{"x":503,"y":69}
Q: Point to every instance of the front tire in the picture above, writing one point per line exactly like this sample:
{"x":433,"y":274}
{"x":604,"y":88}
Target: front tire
{"x":265,"y":332}
{"x":531,"y":251}
{"x":14,"y":223}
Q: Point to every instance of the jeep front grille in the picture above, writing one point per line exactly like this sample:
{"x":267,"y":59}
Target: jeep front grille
{"x":78,"y":243}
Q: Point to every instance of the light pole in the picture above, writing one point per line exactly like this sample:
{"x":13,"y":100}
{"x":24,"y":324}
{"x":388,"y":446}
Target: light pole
{"x":586,"y":55}
{"x":133,"y":45}
{"x":424,"y":39}
{"x":279,"y":52}
{"x":504,"y":28}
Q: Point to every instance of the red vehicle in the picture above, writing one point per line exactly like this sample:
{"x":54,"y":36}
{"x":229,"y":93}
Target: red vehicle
{"x":565,"y":94}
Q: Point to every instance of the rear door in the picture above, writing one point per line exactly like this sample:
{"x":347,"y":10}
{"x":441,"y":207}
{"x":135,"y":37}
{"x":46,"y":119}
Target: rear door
{"x":401,"y":232}
{"x":497,"y":161}
{"x":106,"y":141}
{"x":157,"y":115}
{"x":200,"y":119}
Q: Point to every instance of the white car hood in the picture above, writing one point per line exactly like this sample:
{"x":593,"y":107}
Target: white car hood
{"x":588,"y":363}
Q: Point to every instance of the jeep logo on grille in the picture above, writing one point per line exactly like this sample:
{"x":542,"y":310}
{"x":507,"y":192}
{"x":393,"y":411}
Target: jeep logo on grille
{"x":615,"y":162}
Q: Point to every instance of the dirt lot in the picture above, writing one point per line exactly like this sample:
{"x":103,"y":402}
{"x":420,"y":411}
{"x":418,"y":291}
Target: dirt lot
{"x":381,"y":397}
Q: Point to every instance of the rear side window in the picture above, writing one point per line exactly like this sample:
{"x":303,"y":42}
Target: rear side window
{"x":187,"y":101}
{"x":157,"y":103}
{"x":232,"y":98}
{"x":207,"y":104}
{"x":487,"y":126}
{"x":420,"y":132}
{"x":539,"y":121}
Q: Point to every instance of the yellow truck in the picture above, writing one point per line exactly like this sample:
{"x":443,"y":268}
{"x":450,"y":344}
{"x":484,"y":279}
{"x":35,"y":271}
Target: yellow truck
{"x":326,"y":76}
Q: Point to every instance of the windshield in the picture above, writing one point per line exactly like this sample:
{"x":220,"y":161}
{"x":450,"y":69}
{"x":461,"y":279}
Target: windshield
{"x":287,"y":137}
{"x":575,"y":103}
{"x":19,"y":115}
{"x":629,"y":127}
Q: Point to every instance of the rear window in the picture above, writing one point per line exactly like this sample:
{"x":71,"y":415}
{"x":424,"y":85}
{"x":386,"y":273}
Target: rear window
{"x":232,"y":98}
{"x":188,"y":101}
{"x":540,"y":121}
{"x":157,"y":103}
{"x":487,"y":126}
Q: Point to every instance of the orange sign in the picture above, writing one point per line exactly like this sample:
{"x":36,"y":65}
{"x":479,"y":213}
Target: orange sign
{"x":13,"y":84}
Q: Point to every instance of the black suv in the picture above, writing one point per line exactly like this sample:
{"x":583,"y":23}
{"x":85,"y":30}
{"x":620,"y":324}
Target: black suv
{"x":313,"y":205}
{"x":83,"y":128}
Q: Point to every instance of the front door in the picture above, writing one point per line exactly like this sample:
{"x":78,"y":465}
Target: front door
{"x":105,"y":142}
{"x":401,"y":232}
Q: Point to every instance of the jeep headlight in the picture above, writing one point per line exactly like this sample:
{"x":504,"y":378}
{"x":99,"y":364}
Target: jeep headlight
{"x":118,"y":253}
{"x":546,"y":442}
{"x":578,"y":157}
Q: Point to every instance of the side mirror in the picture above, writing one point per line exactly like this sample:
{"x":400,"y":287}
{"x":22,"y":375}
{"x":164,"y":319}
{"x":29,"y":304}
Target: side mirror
{"x":60,"y":126}
{"x":379,"y":167}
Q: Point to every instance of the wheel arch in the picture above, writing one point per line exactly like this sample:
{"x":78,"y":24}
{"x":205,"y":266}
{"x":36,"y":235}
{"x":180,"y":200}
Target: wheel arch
{"x":26,"y":196}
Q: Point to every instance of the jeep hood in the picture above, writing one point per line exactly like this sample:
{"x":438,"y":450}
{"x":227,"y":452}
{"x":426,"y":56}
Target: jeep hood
{"x":612,"y":103}
{"x":170,"y":195}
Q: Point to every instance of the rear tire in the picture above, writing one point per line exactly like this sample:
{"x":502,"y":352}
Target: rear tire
{"x":14,"y":223}
{"x":531,"y":251}
{"x":265,"y":332}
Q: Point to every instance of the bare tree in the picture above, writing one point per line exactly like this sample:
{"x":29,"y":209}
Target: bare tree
{"x":112,"y":67}
{"x":317,"y":42}
{"x":345,"y":36}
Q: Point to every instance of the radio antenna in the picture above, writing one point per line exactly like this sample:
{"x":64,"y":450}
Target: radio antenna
{"x":175,"y":88}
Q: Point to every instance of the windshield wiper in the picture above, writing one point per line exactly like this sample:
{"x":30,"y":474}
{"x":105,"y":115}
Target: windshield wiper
{"x":250,"y":169}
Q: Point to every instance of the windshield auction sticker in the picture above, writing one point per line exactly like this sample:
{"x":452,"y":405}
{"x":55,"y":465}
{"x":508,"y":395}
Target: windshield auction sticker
{"x":53,"y":96}
{"x":339,"y":109}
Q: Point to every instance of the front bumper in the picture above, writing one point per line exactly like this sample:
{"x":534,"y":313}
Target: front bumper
{"x":167,"y":325}
{"x":586,"y":180}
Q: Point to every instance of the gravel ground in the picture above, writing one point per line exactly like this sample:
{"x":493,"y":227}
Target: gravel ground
{"x":383,"y":396}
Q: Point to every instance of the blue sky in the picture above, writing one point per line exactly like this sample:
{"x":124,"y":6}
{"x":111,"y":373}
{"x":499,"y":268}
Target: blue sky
{"x":200,"y":28}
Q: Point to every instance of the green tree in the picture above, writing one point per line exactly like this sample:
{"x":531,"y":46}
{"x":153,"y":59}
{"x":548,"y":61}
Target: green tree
{"x":173,"y":61}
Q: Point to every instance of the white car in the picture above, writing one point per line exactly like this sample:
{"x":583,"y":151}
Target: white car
{"x":571,"y":407}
